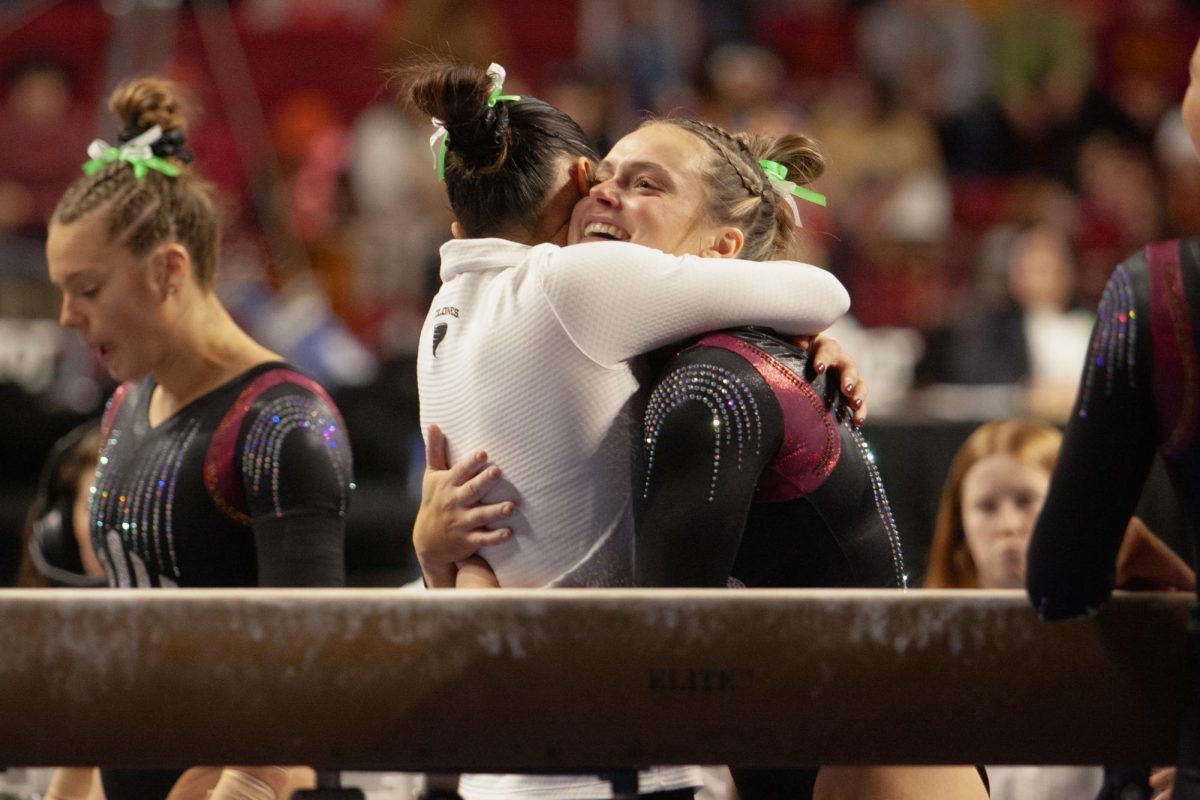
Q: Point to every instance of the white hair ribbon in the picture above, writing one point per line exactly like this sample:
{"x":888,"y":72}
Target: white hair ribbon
{"x":137,"y":152}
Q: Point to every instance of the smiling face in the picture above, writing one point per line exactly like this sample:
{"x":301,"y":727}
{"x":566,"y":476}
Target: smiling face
{"x":109,"y":297}
{"x":650,"y":190}
{"x":1001,"y":499}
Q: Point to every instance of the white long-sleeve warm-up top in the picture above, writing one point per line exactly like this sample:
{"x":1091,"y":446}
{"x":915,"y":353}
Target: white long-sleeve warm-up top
{"x":531,"y":353}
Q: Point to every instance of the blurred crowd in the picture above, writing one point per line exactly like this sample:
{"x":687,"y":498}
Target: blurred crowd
{"x":988,"y":163}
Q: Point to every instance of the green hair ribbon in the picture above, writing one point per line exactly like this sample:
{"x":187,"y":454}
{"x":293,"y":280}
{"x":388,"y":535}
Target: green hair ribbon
{"x":788,"y":190}
{"x":136,"y":152}
{"x":437,"y":143}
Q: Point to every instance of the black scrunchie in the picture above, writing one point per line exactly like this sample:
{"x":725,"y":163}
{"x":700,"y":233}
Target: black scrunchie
{"x":169,"y":145}
{"x":499,"y":122}
{"x":479,"y":140}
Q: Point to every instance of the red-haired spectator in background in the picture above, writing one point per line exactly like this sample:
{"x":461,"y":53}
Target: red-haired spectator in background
{"x":991,"y":499}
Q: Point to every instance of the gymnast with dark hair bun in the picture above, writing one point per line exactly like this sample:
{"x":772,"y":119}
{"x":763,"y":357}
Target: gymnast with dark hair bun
{"x":219,"y":464}
{"x":535,"y":351}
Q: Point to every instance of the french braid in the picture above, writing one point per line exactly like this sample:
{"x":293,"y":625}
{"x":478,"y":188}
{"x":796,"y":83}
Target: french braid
{"x":141,"y":213}
{"x":740,"y":193}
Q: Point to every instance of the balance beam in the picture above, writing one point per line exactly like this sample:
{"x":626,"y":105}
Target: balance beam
{"x":578,"y":679}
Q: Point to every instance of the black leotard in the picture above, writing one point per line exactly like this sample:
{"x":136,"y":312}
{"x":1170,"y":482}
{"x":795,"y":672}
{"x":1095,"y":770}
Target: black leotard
{"x":245,"y":486}
{"x":750,"y":475}
{"x":1139,"y":392}
{"x":750,"y":479}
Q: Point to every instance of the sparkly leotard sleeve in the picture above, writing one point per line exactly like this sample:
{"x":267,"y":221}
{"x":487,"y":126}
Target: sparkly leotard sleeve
{"x":246,"y":486}
{"x":1112,"y":434}
{"x":750,"y":476}
{"x":1140,"y":392}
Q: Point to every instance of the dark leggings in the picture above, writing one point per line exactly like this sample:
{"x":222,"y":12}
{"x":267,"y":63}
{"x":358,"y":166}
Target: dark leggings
{"x":774,"y":784}
{"x":138,"y":784}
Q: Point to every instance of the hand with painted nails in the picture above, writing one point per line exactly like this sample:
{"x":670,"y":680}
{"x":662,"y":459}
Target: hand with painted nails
{"x":451,"y":524}
{"x":825,"y":354}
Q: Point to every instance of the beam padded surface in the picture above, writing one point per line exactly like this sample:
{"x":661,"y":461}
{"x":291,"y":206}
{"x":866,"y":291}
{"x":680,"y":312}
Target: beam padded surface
{"x":508,"y":680}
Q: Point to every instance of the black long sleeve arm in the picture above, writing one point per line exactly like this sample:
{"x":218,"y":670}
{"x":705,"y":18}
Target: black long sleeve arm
{"x":712,"y":425}
{"x":1106,"y":454}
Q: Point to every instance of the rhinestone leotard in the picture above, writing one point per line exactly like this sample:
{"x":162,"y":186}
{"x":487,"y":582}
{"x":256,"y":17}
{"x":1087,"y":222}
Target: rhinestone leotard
{"x":1139,"y":394}
{"x":748,"y":474}
{"x":247,"y":485}
{"x":753,"y":476}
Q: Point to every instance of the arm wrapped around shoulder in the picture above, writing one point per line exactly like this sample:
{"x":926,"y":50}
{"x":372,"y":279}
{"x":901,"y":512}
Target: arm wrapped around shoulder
{"x":618,"y":300}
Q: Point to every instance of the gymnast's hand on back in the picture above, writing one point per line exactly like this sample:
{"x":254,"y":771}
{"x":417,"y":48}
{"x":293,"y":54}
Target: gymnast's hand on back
{"x":451,"y":526}
{"x":824,"y":353}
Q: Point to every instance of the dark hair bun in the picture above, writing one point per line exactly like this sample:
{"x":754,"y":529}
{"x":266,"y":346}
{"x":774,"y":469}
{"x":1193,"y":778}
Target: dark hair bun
{"x":457,"y":94}
{"x":145,"y":102}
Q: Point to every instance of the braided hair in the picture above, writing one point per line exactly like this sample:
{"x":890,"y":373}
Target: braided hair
{"x":141,"y":213}
{"x":740,"y":192}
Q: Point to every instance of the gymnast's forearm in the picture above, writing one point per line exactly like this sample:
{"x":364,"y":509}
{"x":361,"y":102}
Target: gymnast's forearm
{"x":617,"y":300}
{"x":1107,"y":452}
